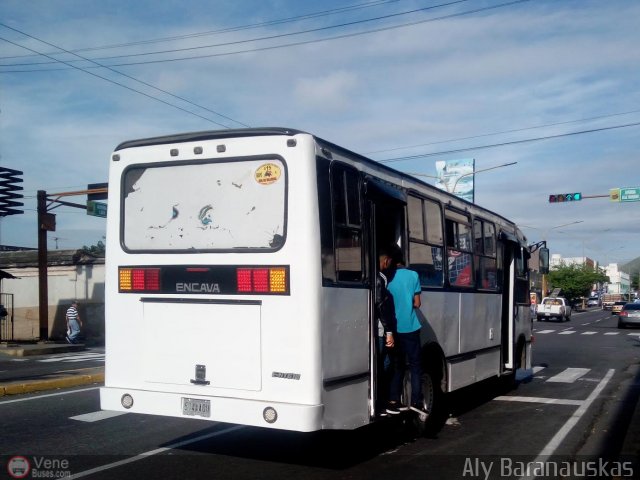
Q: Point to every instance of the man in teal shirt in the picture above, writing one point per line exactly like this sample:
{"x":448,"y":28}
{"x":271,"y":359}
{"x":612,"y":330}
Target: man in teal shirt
{"x":405,"y":289}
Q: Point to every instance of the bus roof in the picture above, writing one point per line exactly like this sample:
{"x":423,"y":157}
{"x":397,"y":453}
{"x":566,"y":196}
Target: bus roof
{"x":272,"y":131}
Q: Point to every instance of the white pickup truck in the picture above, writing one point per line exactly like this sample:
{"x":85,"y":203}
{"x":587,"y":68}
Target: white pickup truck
{"x":554,"y":307}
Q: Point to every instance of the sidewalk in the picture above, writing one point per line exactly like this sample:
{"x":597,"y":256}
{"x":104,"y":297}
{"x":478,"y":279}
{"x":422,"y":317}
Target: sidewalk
{"x":46,"y":380}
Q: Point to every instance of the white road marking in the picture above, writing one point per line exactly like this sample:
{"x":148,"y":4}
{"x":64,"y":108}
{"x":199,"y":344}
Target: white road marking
{"x":588,"y":333}
{"x":546,"y":331}
{"x":150,"y":453}
{"x":550,"y":401}
{"x":555,"y":442}
{"x":567,"y":332}
{"x":538,"y":369}
{"x":97,"y":416}
{"x":612,"y":333}
{"x":569,"y":375}
{"x":634,"y":334}
{"x":49,"y":395}
{"x":74,"y":358}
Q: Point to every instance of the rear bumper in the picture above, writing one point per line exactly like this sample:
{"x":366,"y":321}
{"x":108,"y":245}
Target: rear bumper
{"x":296,"y":417}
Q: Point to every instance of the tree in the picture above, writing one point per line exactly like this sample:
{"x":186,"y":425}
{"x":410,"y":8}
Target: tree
{"x":95,"y":250}
{"x":575,"y":280}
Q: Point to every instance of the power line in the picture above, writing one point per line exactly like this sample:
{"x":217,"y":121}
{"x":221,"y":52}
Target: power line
{"x":118,"y":83}
{"x":307,"y":42}
{"x":522,"y":129}
{"x":228,"y":29}
{"x":269,"y":37}
{"x":503,"y":144}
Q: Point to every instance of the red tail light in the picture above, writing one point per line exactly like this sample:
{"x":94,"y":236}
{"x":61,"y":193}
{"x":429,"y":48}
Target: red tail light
{"x":262,"y":280}
{"x":623,"y":313}
{"x":139,"y":279}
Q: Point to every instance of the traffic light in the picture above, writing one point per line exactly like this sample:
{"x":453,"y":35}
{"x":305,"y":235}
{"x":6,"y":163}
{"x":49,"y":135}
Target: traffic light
{"x":565,"y":197}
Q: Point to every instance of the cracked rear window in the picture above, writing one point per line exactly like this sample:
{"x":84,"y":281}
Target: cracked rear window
{"x":208,"y":206}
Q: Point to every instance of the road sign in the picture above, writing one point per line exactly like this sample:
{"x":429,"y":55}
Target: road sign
{"x":97,"y":209}
{"x":625,"y":194}
{"x":630,"y":194}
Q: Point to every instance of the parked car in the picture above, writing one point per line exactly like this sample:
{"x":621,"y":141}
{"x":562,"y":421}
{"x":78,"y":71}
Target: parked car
{"x":554,"y":307}
{"x":629,"y":315}
{"x":616,"y":308}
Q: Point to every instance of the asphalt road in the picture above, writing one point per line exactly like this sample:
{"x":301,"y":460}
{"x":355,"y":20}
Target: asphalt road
{"x":575,"y":404}
{"x":38,"y":366}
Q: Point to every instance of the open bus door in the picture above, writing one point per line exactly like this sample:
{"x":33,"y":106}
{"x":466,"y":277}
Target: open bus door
{"x":516,"y":320}
{"x":386,"y":210}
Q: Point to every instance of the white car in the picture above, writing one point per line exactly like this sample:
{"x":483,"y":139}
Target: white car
{"x":593,"y":302}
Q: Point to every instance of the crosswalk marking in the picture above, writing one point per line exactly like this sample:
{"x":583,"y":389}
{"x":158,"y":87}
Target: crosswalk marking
{"x":569,"y":375}
{"x":97,"y":416}
{"x":570,"y":331}
{"x":549,"y":401}
{"x":78,"y":357}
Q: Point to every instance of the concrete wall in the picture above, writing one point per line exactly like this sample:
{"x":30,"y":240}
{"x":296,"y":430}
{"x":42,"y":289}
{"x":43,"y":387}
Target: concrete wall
{"x":83,"y":282}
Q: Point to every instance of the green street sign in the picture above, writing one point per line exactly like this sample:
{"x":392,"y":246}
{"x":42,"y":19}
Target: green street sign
{"x":630,"y":194}
{"x":96,"y":209}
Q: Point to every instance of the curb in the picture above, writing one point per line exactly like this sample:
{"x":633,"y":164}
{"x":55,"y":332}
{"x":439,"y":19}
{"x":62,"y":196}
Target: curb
{"x":51,"y":384}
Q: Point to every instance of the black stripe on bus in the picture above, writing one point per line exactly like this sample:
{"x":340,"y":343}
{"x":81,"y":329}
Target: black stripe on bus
{"x":200,"y":301}
{"x":344,"y":380}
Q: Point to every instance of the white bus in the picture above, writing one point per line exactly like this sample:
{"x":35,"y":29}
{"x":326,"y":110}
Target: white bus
{"x":241,"y":268}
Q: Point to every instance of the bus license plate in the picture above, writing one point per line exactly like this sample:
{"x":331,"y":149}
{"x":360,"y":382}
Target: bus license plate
{"x":196,"y":407}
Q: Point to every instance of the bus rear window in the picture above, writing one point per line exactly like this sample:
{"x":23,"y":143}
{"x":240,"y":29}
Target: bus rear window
{"x":232,"y":205}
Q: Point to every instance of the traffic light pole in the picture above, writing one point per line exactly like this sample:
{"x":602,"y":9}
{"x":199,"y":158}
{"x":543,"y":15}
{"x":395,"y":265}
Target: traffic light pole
{"x":43,"y":287}
{"x":46,"y":223}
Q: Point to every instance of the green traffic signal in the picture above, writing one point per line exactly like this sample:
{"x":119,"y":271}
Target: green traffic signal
{"x":565,"y":197}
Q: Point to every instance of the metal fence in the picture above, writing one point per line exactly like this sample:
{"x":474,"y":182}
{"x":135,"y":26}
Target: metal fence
{"x":6,"y":317}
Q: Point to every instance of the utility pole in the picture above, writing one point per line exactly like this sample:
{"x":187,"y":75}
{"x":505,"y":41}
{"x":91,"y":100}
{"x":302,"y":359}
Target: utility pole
{"x":43,"y":287}
{"x":47,"y":223}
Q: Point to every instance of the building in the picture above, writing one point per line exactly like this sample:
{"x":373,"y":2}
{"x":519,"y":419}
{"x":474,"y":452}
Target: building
{"x":619,"y":281}
{"x":72,"y":275}
{"x":557,"y":260}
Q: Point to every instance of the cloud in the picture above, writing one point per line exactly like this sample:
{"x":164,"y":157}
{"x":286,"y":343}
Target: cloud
{"x":331,"y":93}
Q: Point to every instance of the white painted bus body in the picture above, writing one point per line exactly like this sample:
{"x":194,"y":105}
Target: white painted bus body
{"x":305,"y":355}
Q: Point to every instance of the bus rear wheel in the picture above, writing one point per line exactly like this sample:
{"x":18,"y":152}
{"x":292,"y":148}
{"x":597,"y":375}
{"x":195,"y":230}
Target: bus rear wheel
{"x":432,"y":420}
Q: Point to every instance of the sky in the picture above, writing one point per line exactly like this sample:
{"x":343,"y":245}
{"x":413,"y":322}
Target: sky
{"x":553,"y":85}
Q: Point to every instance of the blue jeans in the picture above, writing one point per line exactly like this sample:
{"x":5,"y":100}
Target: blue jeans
{"x":408,"y":353}
{"x":74,"y":326}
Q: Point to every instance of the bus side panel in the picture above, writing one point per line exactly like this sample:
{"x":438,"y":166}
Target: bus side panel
{"x":442,"y":326}
{"x":345,"y":357}
{"x":480,"y":322}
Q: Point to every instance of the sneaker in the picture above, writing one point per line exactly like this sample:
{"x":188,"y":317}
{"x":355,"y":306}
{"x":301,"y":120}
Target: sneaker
{"x":420,"y":410}
{"x":392,"y":408}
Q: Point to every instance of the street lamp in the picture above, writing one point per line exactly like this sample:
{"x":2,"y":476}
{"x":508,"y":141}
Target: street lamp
{"x":453,"y":190}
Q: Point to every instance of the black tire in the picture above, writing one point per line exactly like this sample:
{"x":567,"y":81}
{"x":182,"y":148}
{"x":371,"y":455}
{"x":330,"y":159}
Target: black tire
{"x":621,"y":324}
{"x":433,"y":404}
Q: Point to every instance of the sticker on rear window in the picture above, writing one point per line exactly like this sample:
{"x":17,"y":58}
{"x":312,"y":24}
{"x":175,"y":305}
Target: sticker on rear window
{"x":267,"y":174}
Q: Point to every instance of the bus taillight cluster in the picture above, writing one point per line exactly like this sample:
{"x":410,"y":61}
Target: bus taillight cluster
{"x":139,"y":279}
{"x":262,"y":280}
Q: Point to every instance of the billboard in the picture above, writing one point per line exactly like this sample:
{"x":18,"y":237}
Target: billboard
{"x":456,"y":176}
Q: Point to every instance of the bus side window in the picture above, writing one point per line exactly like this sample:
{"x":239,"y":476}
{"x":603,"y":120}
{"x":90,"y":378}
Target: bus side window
{"x":459,"y":249}
{"x":347,"y":218}
{"x":425,"y":240}
{"x":485,"y":251}
{"x":326,"y":220}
